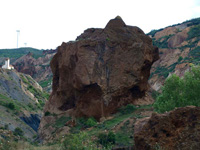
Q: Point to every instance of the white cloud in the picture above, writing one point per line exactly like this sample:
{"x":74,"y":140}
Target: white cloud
{"x":47,"y":23}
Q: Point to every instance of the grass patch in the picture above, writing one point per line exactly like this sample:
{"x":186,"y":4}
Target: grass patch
{"x":123,"y":138}
{"x":15,"y":106}
{"x":60,"y":122}
{"x":45,"y":83}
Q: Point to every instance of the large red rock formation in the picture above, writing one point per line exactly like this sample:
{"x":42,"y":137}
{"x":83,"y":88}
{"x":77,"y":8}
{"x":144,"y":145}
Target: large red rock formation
{"x":102,"y":70}
{"x":178,"y":129}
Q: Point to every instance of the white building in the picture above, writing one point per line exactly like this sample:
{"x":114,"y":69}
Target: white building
{"x":7,"y":64}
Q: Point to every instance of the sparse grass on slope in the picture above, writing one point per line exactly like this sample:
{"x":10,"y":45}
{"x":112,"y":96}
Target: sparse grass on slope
{"x":89,"y":135}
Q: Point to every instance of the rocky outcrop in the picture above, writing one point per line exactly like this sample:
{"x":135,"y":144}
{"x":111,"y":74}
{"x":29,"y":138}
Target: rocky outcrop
{"x":178,"y":129}
{"x":17,"y":86}
{"x":35,"y":67}
{"x":179,"y":49}
{"x":178,"y":38}
{"x":166,"y":32}
{"x":38,"y":68}
{"x":101,"y":71}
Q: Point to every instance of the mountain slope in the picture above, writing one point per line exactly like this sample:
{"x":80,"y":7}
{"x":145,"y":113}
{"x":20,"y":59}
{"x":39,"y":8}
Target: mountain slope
{"x":179,"y":47}
{"x":31,"y":61}
{"x":14,"y":54}
{"x":38,"y":68}
{"x":21,"y":102}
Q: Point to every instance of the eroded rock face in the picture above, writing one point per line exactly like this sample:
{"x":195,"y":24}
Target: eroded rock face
{"x":38,"y":68}
{"x":178,"y":129}
{"x":101,"y":71}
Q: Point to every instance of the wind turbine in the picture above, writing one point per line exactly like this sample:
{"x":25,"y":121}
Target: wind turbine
{"x":18,"y":31}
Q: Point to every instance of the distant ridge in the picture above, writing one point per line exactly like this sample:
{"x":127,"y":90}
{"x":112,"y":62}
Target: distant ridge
{"x":195,"y":21}
{"x":18,"y":52}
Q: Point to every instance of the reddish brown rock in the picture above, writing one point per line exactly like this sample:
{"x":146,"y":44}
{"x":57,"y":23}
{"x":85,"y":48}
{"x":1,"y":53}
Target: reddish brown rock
{"x":26,"y":64}
{"x":38,"y":68}
{"x":101,"y":71}
{"x":165,"y":32}
{"x":178,"y":129}
{"x":178,"y":38}
{"x":175,"y":48}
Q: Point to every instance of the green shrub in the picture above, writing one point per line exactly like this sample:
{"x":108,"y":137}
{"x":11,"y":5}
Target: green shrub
{"x":180,"y":92}
{"x":194,"y":32}
{"x":18,"y":131}
{"x":123,"y":138}
{"x":86,"y":122}
{"x":162,"y":42}
{"x":91,"y":122}
{"x":7,"y":145}
{"x":6,"y":126}
{"x":11,"y":106}
{"x":180,"y":58}
{"x":24,"y":79}
{"x":194,"y":55}
{"x":127,"y":109}
{"x":47,"y":113}
{"x":60,"y":122}
{"x":41,"y":103}
{"x":45,"y":95}
{"x":106,"y":139}
{"x":80,"y":141}
{"x":192,"y":22}
{"x":31,"y":106}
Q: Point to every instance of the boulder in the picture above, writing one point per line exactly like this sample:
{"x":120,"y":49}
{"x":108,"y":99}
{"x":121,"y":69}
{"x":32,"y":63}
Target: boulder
{"x":174,"y":130}
{"x":101,"y":71}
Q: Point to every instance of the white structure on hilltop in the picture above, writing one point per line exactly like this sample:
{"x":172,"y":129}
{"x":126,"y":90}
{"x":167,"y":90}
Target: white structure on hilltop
{"x":7,"y":64}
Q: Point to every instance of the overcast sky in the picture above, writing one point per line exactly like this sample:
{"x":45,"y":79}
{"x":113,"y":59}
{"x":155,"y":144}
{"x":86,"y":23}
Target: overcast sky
{"x":45,"y":24}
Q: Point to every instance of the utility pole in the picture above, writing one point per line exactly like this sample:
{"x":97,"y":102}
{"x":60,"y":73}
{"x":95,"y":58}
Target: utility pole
{"x":18,"y":31}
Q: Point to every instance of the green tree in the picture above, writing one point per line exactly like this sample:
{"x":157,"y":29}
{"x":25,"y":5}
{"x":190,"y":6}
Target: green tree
{"x":180,"y":92}
{"x":192,"y":86}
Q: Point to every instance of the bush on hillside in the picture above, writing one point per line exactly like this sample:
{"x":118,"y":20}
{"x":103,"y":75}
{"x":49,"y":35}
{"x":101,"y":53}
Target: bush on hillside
{"x":194,"y":32}
{"x":127,"y":109}
{"x":180,"y":92}
{"x":11,"y":106}
{"x":47,"y":113}
{"x":86,"y":122}
{"x":106,"y":139}
{"x":18,"y":131}
{"x":80,"y":141}
{"x":91,"y":122}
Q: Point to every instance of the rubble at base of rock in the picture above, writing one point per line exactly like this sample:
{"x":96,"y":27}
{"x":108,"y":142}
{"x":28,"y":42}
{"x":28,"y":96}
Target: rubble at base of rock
{"x":177,"y":129}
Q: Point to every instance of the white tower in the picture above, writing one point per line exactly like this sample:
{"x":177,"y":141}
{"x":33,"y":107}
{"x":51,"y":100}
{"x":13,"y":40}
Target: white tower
{"x":7,"y":64}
